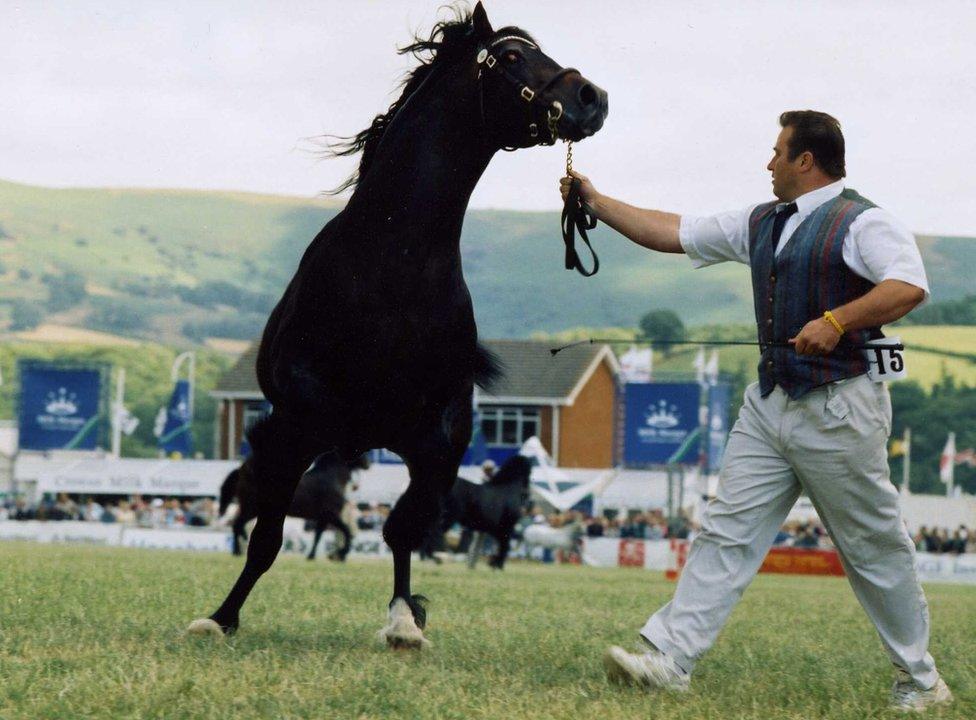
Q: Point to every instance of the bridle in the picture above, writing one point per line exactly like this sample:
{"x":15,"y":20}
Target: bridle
{"x":575,"y":216}
{"x":532,"y":97}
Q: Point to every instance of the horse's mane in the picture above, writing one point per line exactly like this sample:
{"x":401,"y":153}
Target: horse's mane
{"x":447,"y":41}
{"x":514,"y":470}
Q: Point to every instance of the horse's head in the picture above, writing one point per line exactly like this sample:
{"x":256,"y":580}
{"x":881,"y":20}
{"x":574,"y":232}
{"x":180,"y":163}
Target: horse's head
{"x":526,"y":97}
{"x":515,"y":470}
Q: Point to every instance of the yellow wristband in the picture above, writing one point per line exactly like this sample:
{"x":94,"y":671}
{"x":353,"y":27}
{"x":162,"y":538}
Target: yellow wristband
{"x":829,"y":317}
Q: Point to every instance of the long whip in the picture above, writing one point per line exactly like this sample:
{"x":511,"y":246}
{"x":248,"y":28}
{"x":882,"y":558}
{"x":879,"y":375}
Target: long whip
{"x":751,"y":343}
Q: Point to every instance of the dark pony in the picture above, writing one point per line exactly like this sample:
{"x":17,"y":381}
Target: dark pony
{"x":374,"y":344}
{"x":493,"y":507}
{"x":319,"y":498}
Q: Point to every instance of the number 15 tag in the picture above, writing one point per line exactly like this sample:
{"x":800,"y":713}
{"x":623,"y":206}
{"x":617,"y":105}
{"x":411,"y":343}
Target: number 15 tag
{"x":885,"y":363}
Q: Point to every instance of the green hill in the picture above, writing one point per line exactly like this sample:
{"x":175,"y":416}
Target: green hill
{"x":179,"y":266}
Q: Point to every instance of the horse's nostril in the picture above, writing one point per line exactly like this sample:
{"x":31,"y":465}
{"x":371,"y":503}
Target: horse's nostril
{"x":587,"y":95}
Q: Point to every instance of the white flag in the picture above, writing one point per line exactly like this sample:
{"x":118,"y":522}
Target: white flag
{"x":127,"y":421}
{"x":635,"y":365}
{"x":160,"y":422}
{"x":947,"y":462}
{"x":711,"y":369}
{"x":699,"y":365}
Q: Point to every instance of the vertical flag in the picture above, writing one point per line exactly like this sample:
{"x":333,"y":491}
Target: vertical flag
{"x":947,"y":462}
{"x":699,"y":365}
{"x":175,"y":435}
{"x":719,"y":396}
{"x":711,"y":369}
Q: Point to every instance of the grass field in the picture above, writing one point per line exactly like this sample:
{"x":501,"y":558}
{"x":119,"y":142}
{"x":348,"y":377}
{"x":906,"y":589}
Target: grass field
{"x":98,"y":632}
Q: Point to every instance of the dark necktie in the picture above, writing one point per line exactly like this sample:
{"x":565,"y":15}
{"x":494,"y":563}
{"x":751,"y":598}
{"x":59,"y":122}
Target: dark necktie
{"x":781,"y":217}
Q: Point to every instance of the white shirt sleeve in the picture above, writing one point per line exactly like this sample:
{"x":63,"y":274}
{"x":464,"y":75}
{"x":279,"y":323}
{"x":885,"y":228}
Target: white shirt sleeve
{"x":878,"y":247}
{"x":716,"y":238}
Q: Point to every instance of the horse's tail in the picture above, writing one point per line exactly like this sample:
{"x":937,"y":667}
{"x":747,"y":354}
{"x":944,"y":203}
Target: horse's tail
{"x":228,"y":490}
{"x":488,"y":367}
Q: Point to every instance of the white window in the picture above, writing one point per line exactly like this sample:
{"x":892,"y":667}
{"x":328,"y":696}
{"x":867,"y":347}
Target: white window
{"x":505,"y":426}
{"x":254,"y":410}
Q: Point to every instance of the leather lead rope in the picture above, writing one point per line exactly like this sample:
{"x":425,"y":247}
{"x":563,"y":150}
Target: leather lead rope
{"x":576,"y":218}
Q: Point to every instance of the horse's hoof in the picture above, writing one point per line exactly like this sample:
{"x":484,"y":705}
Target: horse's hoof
{"x":402,"y":632}
{"x":205,"y":627}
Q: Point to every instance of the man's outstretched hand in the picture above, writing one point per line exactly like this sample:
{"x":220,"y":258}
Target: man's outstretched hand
{"x":588,"y":193}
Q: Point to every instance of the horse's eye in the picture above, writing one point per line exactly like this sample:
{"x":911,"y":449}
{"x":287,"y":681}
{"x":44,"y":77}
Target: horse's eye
{"x":512,"y":57}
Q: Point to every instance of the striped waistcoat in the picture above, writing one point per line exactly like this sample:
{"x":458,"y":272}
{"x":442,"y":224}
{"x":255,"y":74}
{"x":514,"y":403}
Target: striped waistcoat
{"x":808,"y":277}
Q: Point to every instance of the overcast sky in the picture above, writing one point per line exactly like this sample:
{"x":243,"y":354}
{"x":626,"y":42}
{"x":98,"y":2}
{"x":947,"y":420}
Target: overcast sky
{"x":210,"y":94}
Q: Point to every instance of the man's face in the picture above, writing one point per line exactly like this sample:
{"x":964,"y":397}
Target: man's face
{"x":785,"y":172}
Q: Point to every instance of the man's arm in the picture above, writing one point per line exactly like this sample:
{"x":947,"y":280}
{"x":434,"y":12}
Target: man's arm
{"x":652,"y":229}
{"x":888,"y":301}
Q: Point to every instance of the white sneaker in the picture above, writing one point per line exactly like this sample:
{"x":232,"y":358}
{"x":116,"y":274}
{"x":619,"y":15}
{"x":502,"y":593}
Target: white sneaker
{"x":651,"y":670}
{"x":906,"y":696}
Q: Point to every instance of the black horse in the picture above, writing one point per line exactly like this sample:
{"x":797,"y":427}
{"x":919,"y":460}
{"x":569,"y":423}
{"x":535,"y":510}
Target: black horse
{"x":374,"y":344}
{"x":319,"y":498}
{"x":492,"y":507}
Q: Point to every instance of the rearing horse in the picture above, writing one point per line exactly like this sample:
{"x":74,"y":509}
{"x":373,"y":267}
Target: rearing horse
{"x":374,"y":344}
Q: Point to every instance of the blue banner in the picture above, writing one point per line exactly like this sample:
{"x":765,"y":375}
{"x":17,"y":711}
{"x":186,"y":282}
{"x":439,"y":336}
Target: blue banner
{"x":60,"y":408}
{"x":660,"y":419}
{"x":176,"y":436}
{"x":718,"y":425}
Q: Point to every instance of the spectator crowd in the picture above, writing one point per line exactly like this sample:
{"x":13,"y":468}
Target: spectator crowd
{"x":942,"y":540}
{"x":162,"y":512}
{"x":136,"y":511}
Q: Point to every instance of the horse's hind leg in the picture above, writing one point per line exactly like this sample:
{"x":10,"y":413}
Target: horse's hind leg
{"x":281,"y":454}
{"x":346,"y":541}
{"x":410,"y":522}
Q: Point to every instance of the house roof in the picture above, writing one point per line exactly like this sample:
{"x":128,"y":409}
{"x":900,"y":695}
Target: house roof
{"x":242,"y":378}
{"x":533,"y":375}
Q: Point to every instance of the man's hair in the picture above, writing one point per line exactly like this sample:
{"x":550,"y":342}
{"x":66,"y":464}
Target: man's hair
{"x":820,"y":134}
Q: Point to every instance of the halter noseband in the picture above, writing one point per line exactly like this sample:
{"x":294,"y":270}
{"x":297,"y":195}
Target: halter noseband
{"x":575,"y":217}
{"x":554,"y":110}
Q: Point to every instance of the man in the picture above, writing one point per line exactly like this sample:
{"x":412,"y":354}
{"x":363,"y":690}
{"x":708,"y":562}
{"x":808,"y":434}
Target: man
{"x":829,"y":268}
{"x":488,"y":468}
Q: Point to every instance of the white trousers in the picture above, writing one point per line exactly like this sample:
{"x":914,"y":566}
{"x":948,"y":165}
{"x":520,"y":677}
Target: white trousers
{"x":831,"y":444}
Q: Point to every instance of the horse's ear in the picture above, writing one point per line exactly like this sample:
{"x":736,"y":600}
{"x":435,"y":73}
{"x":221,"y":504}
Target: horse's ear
{"x":482,"y":27}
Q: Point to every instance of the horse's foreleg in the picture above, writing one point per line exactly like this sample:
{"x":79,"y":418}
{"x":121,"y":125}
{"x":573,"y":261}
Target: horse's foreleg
{"x":237,"y":529}
{"x":498,"y":562}
{"x":319,"y":529}
{"x":464,"y":542}
{"x":475,"y":547}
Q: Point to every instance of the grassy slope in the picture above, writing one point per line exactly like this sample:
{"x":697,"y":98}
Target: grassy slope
{"x":181,"y":235}
{"x":513,"y":260}
{"x":96,"y":632}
